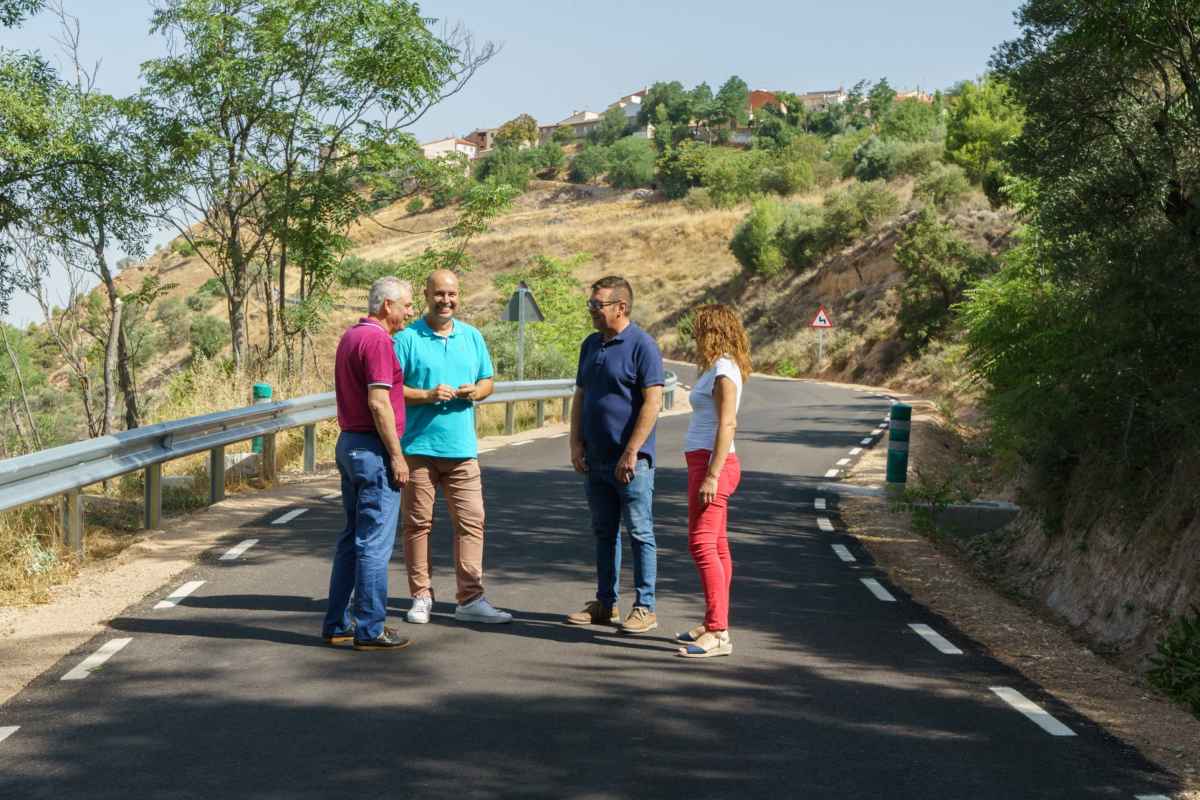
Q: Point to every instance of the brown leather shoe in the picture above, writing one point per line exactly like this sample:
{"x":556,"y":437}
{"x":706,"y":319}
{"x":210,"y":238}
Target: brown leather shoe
{"x":640,"y":620}
{"x":595,"y":613}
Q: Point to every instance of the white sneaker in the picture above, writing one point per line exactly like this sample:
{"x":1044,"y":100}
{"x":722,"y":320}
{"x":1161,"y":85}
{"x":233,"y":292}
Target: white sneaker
{"x":421,"y":606}
{"x":480,"y":610}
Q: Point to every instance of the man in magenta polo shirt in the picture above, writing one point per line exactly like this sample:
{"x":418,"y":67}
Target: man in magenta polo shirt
{"x":369,"y":385}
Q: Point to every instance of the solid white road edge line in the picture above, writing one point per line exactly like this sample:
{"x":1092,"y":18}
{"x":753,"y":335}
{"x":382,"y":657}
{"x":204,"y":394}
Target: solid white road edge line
{"x":174,"y":597}
{"x":824,"y":524}
{"x":289,"y":516}
{"x":843,"y":553}
{"x":939,"y":642}
{"x":518,"y":444}
{"x":489,"y":450}
{"x":843,"y":462}
{"x":1151,"y":797}
{"x":107,"y":651}
{"x":833,"y":473}
{"x":236,"y":551}
{"x":1032,"y":710}
{"x":819,"y":504}
{"x":877,"y":589}
{"x":8,"y":730}
{"x":856,"y":451}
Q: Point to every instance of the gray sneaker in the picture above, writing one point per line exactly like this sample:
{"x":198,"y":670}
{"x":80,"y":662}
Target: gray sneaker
{"x":421,"y":606}
{"x":480,"y":610}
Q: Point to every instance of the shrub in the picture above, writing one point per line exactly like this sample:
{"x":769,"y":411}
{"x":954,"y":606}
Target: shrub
{"x":198,"y":302}
{"x":803,"y":235}
{"x":787,"y":177}
{"x":208,"y":336}
{"x":631,"y":163}
{"x":944,"y":187}
{"x":885,"y":159}
{"x":415,"y":206}
{"x":909,"y":120}
{"x":732,"y":176}
{"x":842,"y":147}
{"x":681,"y":168}
{"x":172,"y":315}
{"x":183,"y":247}
{"x":918,"y":158}
{"x":756,"y":243}
{"x":1175,"y":669}
{"x":548,"y":159}
{"x":563,"y":134}
{"x":853,"y":212}
{"x":590,"y":163}
{"x":506,"y":166}
{"x":212,"y":287}
{"x":698,"y":199}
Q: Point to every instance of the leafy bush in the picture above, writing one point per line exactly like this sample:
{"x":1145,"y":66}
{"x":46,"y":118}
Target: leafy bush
{"x":589,"y":164}
{"x":909,"y":120}
{"x":732,"y":176}
{"x":756,"y":243}
{"x":787,"y":177}
{"x":506,"y":166}
{"x":631,"y":163}
{"x":841,"y":149}
{"x":552,"y":346}
{"x":198,"y":302}
{"x":681,"y":168}
{"x":613,"y":126}
{"x":698,"y":199}
{"x":853,"y":212}
{"x":945,"y":187}
{"x":183,"y":247}
{"x":212,"y":287}
{"x":564,"y":134}
{"x":803,"y":235}
{"x":172,"y":314}
{"x":415,"y":206}
{"x":208,"y":336}
{"x":548,"y":159}
{"x":885,"y":159}
{"x":1175,"y":669}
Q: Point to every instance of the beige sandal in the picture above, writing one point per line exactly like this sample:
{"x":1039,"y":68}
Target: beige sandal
{"x":692,"y":635}
{"x":708,"y":645}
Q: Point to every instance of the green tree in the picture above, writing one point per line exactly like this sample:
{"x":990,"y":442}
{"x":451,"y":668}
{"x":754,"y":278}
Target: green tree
{"x":508,"y":166}
{"x":552,"y":346}
{"x":563,"y":135}
{"x":732,"y":103}
{"x":208,"y":336}
{"x":945,"y":187}
{"x":613,"y":125}
{"x":14,"y":12}
{"x":589,"y":164}
{"x":267,"y":105}
{"x":909,"y":120}
{"x":984,"y":119}
{"x":675,"y":101}
{"x":631,"y":163}
{"x":755,"y":243}
{"x":520,"y":131}
{"x":880,"y":99}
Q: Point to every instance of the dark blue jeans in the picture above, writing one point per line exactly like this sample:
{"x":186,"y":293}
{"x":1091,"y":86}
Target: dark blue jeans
{"x":613,"y":503}
{"x":364,"y":548}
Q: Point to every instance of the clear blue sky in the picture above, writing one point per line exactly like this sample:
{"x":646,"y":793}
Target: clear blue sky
{"x":558,"y":57}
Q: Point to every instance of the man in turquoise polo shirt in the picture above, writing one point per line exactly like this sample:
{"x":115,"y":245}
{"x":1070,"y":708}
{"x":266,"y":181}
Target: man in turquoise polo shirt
{"x":447,"y":369}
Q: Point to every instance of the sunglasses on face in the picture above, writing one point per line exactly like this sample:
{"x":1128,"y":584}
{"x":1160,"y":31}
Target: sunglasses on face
{"x":596,"y":305}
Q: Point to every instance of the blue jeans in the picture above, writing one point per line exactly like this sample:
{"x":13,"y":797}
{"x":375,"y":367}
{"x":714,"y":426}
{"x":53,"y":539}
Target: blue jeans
{"x":364,"y":548}
{"x":613,"y":503}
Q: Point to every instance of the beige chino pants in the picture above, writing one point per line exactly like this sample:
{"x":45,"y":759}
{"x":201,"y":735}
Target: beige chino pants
{"x":462,"y":486}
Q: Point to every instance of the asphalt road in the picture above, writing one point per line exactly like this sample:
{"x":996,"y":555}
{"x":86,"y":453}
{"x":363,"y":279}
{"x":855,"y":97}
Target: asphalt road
{"x":829,"y":694}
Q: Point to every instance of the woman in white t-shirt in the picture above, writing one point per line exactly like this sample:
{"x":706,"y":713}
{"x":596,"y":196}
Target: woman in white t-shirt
{"x":723,"y":359}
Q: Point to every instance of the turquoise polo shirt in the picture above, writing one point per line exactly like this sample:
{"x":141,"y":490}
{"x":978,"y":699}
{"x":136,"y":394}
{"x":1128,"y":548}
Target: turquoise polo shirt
{"x":441,"y":430}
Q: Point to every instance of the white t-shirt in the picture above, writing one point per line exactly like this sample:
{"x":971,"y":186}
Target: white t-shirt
{"x":702,"y":430}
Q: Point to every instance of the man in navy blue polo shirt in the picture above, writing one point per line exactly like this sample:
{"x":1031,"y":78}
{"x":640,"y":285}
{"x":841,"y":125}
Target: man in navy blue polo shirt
{"x":618,"y":394}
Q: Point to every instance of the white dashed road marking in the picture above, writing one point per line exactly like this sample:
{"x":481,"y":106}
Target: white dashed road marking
{"x":174,"y":597}
{"x":843,"y":462}
{"x":824,"y":524}
{"x":856,"y":451}
{"x":8,"y":731}
{"x":940,"y":643}
{"x":877,"y":589}
{"x":833,"y":473}
{"x":107,"y":651}
{"x":1032,"y":710}
{"x":289,"y":516}
{"x":518,"y":444}
{"x":819,"y":504}
{"x":489,"y":450}
{"x":866,"y":441}
{"x":843,"y":553}
{"x":1152,"y":797}
{"x":236,"y":551}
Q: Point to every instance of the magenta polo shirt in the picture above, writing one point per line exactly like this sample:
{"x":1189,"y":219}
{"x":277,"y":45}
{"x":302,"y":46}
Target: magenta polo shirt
{"x":365,"y":358}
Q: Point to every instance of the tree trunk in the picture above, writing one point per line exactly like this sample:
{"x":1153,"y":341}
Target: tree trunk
{"x":110,"y":367}
{"x":37,"y":440}
{"x":272,"y":324}
{"x":237,"y":330}
{"x":128,"y":386}
{"x":16,"y":421}
{"x":124,"y":372}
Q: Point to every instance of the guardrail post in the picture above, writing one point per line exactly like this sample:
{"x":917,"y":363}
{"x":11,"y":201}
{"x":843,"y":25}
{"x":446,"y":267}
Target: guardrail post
{"x":669,"y":399}
{"x":897,"y":455}
{"x":268,"y":457}
{"x":310,"y":448}
{"x":153,"y":505}
{"x":566,"y":417}
{"x":509,"y":418}
{"x":73,"y":521}
{"x":541,"y":413}
{"x":216,"y":474}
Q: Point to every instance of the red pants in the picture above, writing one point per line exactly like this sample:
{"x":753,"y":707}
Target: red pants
{"x":708,"y":538}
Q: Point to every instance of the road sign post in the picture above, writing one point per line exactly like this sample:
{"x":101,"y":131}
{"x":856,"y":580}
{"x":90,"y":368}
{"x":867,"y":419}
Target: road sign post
{"x":821,"y":322}
{"x":522,"y":308}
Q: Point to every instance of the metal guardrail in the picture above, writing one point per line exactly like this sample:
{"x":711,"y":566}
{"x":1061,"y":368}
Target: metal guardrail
{"x":66,"y":470}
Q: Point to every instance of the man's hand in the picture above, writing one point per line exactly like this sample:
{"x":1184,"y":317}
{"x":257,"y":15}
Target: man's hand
{"x":578,"y":459}
{"x":399,"y":471}
{"x":440,"y":393}
{"x":708,"y":490}
{"x":626,"y":467}
{"x":467,"y":391}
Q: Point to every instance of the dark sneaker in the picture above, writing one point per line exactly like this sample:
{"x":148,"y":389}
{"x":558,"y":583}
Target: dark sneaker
{"x":388,"y":640}
{"x":640,"y":620}
{"x":339,"y":638}
{"x":595,"y":613}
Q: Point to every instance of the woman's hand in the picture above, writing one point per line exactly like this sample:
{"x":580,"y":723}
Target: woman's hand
{"x":708,"y":490}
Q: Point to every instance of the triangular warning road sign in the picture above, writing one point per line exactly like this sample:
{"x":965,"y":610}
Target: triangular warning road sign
{"x":821,"y":320}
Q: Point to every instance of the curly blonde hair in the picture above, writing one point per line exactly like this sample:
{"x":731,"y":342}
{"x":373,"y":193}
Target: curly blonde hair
{"x":718,"y":332}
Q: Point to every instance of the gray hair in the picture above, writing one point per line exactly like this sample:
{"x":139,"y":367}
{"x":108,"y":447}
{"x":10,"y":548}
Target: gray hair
{"x":388,"y":287}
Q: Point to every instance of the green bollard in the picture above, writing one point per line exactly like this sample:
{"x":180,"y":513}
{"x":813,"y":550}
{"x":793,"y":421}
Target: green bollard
{"x":262,"y":394}
{"x":897,"y":456}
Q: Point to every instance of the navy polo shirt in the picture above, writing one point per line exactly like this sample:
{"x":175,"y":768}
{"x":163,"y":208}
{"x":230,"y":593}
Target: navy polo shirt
{"x":612,"y":375}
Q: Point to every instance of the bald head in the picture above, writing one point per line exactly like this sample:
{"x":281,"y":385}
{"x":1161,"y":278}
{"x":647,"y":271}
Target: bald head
{"x":441,"y":298}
